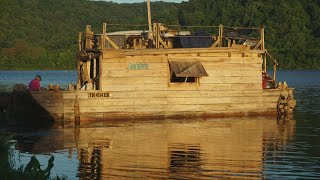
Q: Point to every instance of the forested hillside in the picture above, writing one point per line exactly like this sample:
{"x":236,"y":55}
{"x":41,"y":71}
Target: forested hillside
{"x":42,"y":34}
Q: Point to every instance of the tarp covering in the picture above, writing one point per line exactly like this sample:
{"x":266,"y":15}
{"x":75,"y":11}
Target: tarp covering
{"x":200,"y":39}
{"x":188,"y":68}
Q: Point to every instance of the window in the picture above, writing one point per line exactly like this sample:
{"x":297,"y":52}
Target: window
{"x":186,"y":71}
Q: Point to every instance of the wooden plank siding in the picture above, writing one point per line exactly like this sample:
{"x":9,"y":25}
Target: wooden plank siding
{"x":234,"y":86}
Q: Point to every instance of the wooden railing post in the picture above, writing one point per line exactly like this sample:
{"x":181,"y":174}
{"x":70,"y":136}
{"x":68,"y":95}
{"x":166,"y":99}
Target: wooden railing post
{"x":104,"y":32}
{"x":262,"y":38}
{"x":220,"y":35}
{"x":78,"y":67}
{"x":80,"y":41}
{"x":100,"y":73}
{"x":265,"y":61}
{"x":94,"y":68}
{"x":150,"y":34}
{"x":88,"y":37}
{"x":156,"y":34}
{"x":274,"y":73}
{"x":275,"y":64}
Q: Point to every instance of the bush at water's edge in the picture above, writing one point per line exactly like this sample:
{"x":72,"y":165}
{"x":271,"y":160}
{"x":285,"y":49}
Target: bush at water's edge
{"x":31,"y":171}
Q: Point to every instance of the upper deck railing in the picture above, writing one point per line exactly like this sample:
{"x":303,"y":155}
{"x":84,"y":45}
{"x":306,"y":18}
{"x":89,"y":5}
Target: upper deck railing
{"x":172,"y":37}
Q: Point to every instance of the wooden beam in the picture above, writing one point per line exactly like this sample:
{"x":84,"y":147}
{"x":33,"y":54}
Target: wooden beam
{"x":259,"y":43}
{"x":262,"y":39}
{"x":158,"y":36}
{"x":274,"y":72}
{"x":163,"y":43}
{"x":94,"y":72}
{"x":134,"y":43}
{"x":100,"y":72}
{"x":79,"y":77}
{"x":150,"y":34}
{"x":220,"y":35}
{"x":104,"y":29}
{"x":140,"y":43}
{"x":265,"y":62}
{"x":112,"y":42}
{"x":274,"y":60}
{"x":216,"y":43}
{"x":80,"y":49}
{"x":86,"y":70}
{"x":89,"y":35}
{"x":80,"y":41}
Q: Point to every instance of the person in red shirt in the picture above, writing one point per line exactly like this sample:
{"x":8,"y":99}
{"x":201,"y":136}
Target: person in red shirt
{"x":34,"y":85}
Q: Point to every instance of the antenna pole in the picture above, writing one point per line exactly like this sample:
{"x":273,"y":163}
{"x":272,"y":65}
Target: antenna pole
{"x":150,"y":35}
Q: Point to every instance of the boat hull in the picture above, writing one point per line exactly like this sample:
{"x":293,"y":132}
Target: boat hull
{"x":69,"y":106}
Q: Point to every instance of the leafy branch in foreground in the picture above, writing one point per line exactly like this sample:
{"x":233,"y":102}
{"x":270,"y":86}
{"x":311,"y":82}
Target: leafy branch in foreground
{"x":32,"y":171}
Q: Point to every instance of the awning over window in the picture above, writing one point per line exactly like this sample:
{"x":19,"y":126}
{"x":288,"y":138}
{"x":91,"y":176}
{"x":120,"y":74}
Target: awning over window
{"x":187,"y":68}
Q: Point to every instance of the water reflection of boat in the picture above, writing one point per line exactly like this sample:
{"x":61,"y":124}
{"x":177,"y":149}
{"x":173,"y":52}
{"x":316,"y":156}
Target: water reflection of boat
{"x":170,"y":149}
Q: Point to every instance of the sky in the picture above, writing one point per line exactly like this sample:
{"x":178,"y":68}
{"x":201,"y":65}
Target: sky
{"x":134,"y":1}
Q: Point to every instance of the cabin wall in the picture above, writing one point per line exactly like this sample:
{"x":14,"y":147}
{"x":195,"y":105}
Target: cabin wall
{"x":270,"y":99}
{"x":232,"y":87}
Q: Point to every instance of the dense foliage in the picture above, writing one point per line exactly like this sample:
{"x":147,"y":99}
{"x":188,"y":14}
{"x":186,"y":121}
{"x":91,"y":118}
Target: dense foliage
{"x":32,"y":171}
{"x":42,"y":34}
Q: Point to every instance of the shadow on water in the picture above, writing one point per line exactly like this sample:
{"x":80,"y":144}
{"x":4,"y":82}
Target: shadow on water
{"x":20,"y":110}
{"x":237,"y":148}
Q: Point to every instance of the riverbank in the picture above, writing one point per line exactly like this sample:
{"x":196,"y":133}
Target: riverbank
{"x":36,"y":68}
{"x":11,"y":77}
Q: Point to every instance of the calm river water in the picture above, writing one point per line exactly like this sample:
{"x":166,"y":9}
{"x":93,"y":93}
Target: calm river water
{"x":228,"y":148}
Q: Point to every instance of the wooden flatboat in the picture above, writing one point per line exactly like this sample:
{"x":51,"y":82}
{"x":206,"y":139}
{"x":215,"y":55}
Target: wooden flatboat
{"x":164,"y":72}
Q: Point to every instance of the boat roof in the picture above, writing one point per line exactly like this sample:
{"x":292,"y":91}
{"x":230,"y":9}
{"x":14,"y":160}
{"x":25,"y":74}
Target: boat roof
{"x":128,"y":33}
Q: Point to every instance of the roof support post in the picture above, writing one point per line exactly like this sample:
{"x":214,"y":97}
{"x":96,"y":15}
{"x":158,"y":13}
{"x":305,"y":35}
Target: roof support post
{"x":220,"y":35}
{"x":262,"y":38}
{"x":150,"y":34}
{"x":265,"y":62}
{"x":104,"y":32}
